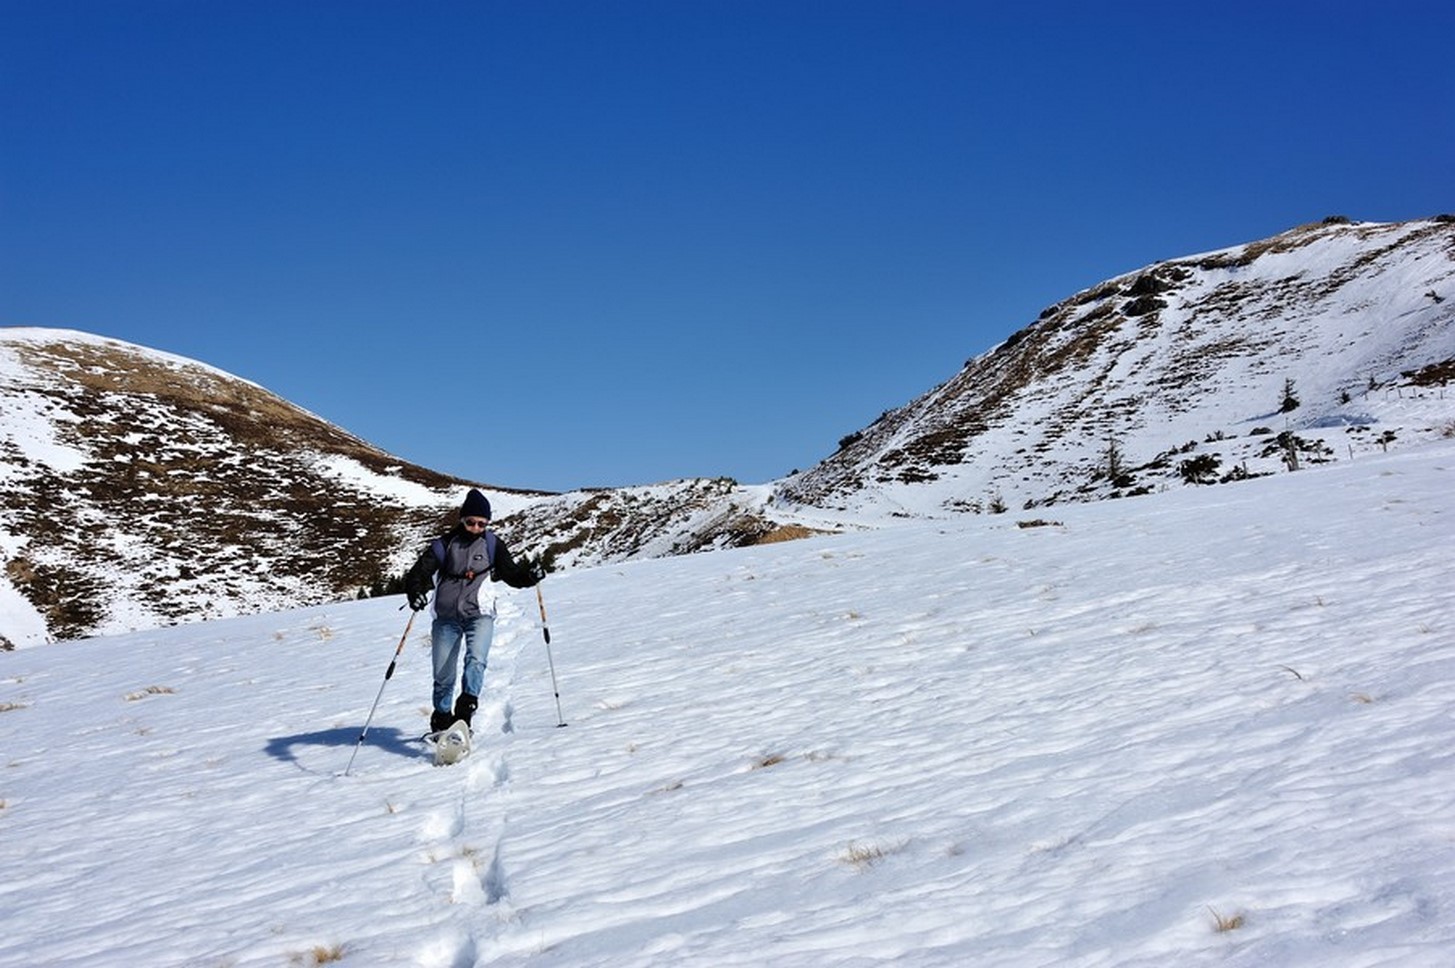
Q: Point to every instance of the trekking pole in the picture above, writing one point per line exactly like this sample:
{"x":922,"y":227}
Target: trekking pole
{"x":546,"y":631}
{"x":388,"y":673}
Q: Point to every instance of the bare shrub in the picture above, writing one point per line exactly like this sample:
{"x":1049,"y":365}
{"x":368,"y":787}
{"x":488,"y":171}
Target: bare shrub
{"x":1202,"y":469}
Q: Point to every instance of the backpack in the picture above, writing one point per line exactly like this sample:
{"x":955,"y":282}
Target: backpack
{"x":438,"y":547}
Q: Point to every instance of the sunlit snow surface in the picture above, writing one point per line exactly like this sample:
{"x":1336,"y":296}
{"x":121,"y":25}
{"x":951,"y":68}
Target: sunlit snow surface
{"x":952,"y":743}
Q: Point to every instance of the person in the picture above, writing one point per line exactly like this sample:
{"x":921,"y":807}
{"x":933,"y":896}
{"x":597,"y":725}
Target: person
{"x":455,"y":567}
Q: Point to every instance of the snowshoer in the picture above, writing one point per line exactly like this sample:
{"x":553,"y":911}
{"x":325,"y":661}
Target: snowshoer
{"x":455,"y":566}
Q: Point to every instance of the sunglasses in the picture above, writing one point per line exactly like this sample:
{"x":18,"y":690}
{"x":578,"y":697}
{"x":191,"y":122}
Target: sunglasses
{"x":474,"y":522}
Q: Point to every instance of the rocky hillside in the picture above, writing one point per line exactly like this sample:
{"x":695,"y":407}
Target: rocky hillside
{"x":138,"y":489}
{"x":1314,"y":345}
{"x":654,"y":521}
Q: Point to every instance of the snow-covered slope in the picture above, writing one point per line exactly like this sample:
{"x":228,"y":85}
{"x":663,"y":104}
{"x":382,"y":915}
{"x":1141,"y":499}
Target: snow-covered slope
{"x":139,"y":488}
{"x":1066,"y":739}
{"x":1113,"y":390}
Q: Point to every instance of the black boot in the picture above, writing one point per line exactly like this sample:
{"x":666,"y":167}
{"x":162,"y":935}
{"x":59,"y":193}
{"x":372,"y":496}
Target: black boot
{"x":465,"y":707}
{"x":439,"y":722}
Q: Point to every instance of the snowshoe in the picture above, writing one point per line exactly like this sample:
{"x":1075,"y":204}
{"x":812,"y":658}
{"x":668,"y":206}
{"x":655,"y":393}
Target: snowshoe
{"x":453,"y":744}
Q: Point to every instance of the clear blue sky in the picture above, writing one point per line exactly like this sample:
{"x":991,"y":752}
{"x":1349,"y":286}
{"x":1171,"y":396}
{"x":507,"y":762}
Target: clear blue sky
{"x":557,"y":244}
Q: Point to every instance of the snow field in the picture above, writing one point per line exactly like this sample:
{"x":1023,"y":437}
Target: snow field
{"x":966,"y":742}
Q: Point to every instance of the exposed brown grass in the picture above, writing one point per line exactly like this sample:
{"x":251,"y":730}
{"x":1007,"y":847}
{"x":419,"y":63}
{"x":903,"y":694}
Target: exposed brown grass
{"x":319,"y":955}
{"x":788,"y":532}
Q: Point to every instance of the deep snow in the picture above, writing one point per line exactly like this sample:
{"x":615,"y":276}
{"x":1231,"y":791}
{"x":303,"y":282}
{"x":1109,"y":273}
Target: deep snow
{"x":964,"y":742}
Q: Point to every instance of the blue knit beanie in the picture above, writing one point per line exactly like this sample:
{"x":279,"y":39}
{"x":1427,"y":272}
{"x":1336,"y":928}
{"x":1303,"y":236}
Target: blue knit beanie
{"x":475,"y":506}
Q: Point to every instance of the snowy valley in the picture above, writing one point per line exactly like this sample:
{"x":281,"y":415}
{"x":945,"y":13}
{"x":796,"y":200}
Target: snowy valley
{"x":977,"y":715}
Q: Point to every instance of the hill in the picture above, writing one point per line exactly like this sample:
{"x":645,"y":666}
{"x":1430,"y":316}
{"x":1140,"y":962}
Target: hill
{"x":1328,"y":341}
{"x":142,"y":489}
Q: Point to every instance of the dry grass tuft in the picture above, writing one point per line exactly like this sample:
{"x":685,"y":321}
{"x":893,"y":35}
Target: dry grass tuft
{"x":863,"y":856}
{"x":149,"y":691}
{"x":771,"y":759}
{"x":319,"y":955}
{"x":1225,"y":923}
{"x":7,"y":707}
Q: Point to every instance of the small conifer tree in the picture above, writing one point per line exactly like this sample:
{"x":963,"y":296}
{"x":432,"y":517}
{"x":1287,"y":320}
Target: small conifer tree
{"x":1290,"y":397}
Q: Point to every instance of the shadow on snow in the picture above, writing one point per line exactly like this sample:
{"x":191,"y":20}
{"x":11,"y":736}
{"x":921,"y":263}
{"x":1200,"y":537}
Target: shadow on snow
{"x":387,"y":738}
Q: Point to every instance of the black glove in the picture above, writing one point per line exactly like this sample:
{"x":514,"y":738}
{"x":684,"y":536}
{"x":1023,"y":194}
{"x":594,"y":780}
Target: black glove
{"x":537,"y":571}
{"x":418,"y":600}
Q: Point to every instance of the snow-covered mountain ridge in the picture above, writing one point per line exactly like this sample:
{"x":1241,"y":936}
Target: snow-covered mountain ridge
{"x":1115,"y":389}
{"x":219,"y":498}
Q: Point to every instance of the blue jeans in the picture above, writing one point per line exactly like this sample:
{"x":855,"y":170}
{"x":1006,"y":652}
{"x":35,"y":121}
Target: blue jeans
{"x":445,"y":636}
